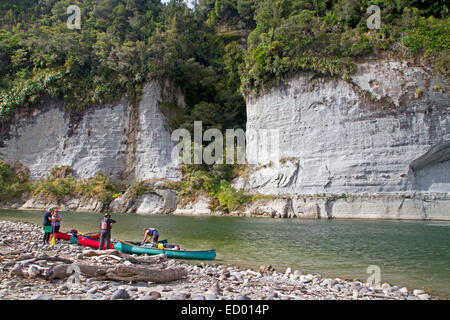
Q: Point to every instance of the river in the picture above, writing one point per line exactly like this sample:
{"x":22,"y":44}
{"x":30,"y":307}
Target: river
{"x":415,"y":254}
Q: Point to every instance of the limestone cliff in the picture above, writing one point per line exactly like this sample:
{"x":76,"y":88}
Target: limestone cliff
{"x":385,"y":132}
{"x":129,"y":141}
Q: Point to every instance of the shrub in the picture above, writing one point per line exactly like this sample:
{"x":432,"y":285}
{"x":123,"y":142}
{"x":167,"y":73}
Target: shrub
{"x":229,"y":198}
{"x":13,"y":181}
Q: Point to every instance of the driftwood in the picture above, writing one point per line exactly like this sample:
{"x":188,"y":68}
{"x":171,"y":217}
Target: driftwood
{"x":47,"y":258}
{"x":118,"y":272}
{"x":126,"y":270}
{"x":96,"y":253}
{"x":24,"y":265}
{"x":147,"y":259}
{"x":113,"y":253}
{"x":30,"y":258}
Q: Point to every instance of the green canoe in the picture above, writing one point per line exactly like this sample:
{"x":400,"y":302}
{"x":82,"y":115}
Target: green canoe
{"x":74,"y":240}
{"x":135,"y":248}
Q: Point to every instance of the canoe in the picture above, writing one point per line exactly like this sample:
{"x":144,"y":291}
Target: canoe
{"x":63,"y":236}
{"x":86,"y":242}
{"x":135,"y":248}
{"x":91,"y":236}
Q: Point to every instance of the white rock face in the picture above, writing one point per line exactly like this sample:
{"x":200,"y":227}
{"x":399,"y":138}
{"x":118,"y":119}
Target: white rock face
{"x":127,"y":142}
{"x":200,"y":206}
{"x":160,"y":201}
{"x":366,"y":137}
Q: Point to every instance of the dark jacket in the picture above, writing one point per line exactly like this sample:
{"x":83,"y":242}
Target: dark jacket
{"x":47,"y":221}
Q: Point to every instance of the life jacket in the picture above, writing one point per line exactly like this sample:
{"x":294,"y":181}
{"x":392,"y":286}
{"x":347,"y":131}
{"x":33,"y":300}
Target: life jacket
{"x":104,"y":225}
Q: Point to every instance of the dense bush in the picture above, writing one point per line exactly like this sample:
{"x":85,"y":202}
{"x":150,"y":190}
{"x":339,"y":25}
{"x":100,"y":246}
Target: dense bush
{"x":13,"y":181}
{"x":56,"y":187}
{"x":121,"y":45}
{"x":327,"y":37}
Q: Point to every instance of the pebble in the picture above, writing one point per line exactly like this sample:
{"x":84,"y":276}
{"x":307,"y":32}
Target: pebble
{"x":418,"y":292}
{"x":93,"y":296}
{"x":423,"y":296}
{"x":147,"y":298}
{"x":93,"y":290}
{"x":41,"y":297}
{"x":215,"y":289}
{"x":403,"y":290}
{"x":155,"y":294}
{"x":120,"y":294}
{"x":180,"y":296}
{"x":241,"y":297}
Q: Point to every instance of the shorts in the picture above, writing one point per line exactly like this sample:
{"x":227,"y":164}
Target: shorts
{"x":47,"y":229}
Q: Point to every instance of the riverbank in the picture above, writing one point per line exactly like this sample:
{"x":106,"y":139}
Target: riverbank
{"x":203,"y":281}
{"x":166,"y":201}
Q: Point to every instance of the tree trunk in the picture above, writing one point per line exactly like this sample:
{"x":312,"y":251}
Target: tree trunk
{"x":118,"y":272}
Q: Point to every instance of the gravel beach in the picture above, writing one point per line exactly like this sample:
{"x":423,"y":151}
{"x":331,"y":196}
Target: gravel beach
{"x":25,"y":264}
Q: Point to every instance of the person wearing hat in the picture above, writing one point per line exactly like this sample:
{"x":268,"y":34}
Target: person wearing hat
{"x":105,"y":232}
{"x":47,"y":225}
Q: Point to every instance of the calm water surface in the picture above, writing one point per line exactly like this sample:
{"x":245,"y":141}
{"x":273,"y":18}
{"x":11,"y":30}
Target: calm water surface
{"x":415,"y":254}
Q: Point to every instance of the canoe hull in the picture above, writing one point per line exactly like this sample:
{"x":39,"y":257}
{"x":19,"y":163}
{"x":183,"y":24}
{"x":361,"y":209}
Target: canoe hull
{"x":63,"y":236}
{"x":85,"y":242}
{"x":175,"y":254}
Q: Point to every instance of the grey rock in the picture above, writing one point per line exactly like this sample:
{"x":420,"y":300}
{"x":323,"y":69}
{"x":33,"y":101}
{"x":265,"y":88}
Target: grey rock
{"x":242,"y":297}
{"x":120,"y":294}
{"x":215,"y":289}
{"x":403,"y":291}
{"x":93,"y":290}
{"x":180,"y":296}
{"x":418,"y":292}
{"x":142,"y":284}
{"x":147,"y":298}
{"x":41,"y":297}
{"x":94,"y":296}
{"x":154,"y":294}
{"x":103,"y":287}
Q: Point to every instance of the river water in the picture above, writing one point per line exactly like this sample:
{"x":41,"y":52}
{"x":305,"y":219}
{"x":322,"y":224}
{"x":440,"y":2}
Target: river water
{"x":415,"y":254}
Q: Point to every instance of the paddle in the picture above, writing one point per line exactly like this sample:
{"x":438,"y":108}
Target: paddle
{"x":53,"y":241}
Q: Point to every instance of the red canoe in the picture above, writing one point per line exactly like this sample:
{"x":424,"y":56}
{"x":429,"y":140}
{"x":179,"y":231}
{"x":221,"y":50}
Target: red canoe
{"x":63,"y":236}
{"x":92,"y":243}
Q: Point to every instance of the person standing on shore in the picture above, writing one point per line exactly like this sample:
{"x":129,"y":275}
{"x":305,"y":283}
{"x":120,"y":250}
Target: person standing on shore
{"x":47,"y":225}
{"x":105,"y":232}
{"x":56,"y":219}
{"x":56,"y":224}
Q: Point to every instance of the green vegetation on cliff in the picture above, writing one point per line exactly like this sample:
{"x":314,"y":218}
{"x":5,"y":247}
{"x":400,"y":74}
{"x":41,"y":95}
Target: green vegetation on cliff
{"x":326,"y":37}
